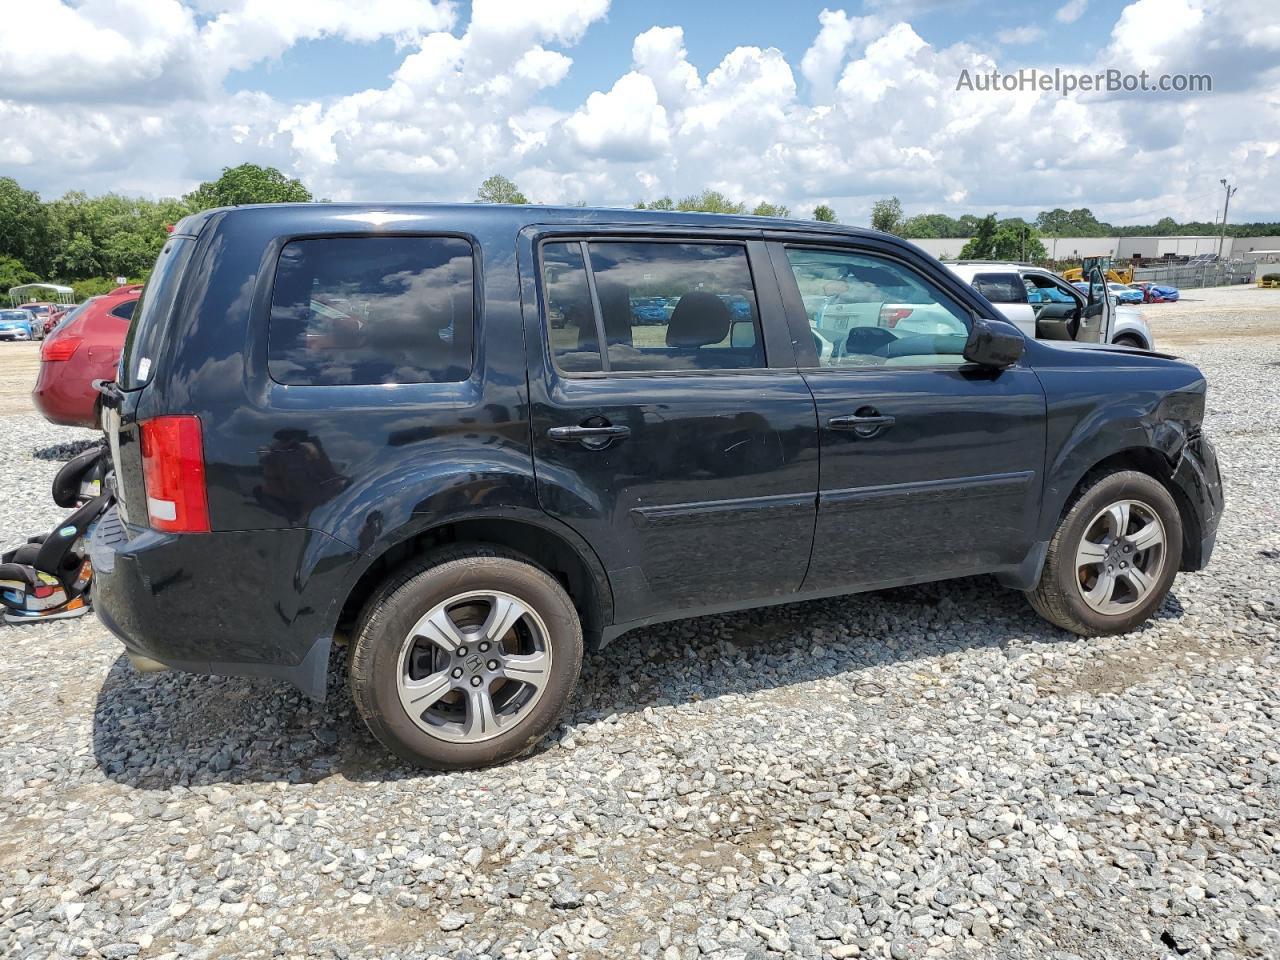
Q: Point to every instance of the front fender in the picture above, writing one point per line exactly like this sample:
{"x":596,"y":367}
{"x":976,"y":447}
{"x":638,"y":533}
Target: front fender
{"x":1111,"y":404}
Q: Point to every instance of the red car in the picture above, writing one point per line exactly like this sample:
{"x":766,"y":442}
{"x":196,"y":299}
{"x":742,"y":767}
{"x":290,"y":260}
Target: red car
{"x":84,"y":347}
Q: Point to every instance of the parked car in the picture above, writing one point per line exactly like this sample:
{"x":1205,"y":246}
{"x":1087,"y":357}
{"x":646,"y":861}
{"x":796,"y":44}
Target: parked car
{"x":83,"y":348}
{"x":475,"y":511}
{"x":1125,"y":293}
{"x":40,"y":317}
{"x":16,"y":325}
{"x":1048,"y":307}
{"x":1157,"y":292}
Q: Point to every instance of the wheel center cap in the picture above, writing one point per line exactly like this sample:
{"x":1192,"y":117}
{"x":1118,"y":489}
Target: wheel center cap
{"x":473,"y":662}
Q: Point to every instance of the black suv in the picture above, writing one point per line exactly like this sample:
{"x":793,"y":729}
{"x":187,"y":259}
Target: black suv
{"x":474,"y":439}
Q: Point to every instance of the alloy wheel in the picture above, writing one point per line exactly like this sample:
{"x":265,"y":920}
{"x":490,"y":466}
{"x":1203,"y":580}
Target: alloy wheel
{"x":1120,"y":557}
{"x":474,"y":665}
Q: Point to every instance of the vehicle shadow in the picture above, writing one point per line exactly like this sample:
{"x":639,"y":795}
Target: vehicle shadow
{"x":158,"y":730}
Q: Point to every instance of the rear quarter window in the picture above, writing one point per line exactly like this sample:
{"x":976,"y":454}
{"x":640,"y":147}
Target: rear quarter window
{"x":153,"y":314}
{"x":372,"y":310}
{"x":1001,"y":287}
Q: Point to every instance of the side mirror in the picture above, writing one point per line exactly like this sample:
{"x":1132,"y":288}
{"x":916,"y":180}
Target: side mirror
{"x":992,"y":343}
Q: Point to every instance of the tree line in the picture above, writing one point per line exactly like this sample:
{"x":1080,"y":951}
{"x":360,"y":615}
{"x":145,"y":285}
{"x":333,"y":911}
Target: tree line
{"x":501,"y":189}
{"x":88,"y":242}
{"x":1013,"y":238}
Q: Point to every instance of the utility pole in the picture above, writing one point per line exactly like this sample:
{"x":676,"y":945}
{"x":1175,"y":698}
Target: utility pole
{"x":1222,"y":238}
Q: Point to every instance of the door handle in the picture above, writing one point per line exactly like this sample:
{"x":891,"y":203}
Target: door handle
{"x":591,"y":436}
{"x":866,"y":423}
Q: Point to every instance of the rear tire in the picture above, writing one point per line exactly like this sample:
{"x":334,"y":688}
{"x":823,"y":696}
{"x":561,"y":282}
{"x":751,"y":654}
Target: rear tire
{"x":1113,"y":557}
{"x":466,"y":658}
{"x":1125,"y":340}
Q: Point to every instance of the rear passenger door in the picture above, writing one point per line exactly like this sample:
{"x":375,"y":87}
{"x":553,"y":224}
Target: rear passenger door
{"x":671,"y":427}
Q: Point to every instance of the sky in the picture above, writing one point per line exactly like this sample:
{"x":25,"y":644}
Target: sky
{"x":608,"y":103}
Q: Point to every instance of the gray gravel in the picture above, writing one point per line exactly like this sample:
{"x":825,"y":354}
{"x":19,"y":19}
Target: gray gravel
{"x":921,"y":772}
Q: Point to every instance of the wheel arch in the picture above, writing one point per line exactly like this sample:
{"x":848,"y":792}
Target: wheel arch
{"x":570,"y":561}
{"x":1156,"y":464}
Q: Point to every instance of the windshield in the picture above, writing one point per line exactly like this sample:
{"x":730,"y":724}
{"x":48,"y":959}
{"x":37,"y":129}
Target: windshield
{"x":15,"y":316}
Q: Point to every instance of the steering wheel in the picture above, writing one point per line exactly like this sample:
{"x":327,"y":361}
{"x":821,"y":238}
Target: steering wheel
{"x":868,"y":339}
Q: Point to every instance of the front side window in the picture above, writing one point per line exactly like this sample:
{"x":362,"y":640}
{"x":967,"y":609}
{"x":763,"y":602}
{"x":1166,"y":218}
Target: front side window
{"x":866,"y":310}
{"x":364,"y":310}
{"x":661,"y":306}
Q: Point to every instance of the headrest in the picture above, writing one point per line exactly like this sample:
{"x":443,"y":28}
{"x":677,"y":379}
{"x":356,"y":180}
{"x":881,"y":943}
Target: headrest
{"x":699,"y":319}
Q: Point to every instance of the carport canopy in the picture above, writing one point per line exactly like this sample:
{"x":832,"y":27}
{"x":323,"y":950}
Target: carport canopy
{"x":23,"y":293}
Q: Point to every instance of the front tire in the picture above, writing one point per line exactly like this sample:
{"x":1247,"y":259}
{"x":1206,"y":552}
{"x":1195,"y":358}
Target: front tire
{"x":465,"y":659}
{"x":1113,"y":557}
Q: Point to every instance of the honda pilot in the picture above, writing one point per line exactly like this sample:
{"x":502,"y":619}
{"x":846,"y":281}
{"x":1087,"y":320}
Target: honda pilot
{"x":473,"y":442}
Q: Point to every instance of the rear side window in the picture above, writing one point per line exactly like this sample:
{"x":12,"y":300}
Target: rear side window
{"x":363,"y":310}
{"x":656,"y":306}
{"x":125,"y":310}
{"x":152,"y":314}
{"x":1001,"y":287}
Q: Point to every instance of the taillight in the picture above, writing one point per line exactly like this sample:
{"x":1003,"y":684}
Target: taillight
{"x":173,"y":472}
{"x":61,"y":348}
{"x":889,"y":316}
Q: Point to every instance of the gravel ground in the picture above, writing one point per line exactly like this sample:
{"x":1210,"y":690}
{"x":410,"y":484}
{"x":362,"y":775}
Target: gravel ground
{"x":921,"y":772}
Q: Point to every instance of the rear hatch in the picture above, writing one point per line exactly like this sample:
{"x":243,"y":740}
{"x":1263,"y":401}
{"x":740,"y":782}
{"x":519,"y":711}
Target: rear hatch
{"x":141,"y":361}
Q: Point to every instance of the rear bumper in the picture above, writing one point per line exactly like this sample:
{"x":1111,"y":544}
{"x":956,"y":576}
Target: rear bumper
{"x":64,"y":395}
{"x":233,"y":603}
{"x":1199,"y":483}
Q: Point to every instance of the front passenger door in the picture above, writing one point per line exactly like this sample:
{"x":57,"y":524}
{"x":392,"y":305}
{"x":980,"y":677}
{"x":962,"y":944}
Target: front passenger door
{"x":930,"y":466}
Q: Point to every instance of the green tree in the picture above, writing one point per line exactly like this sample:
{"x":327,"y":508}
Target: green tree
{"x":920,"y":228}
{"x":247,"y":183}
{"x":662,"y":203}
{"x":79,"y":257}
{"x":499,"y":189}
{"x":982,"y":245}
{"x":1015,"y":240}
{"x":1082,"y":223}
{"x":13,"y":273}
{"x":24,"y":226}
{"x":766,"y":209}
{"x":1056,"y":222}
{"x":886,"y":215}
{"x":824,"y":214}
{"x":710,"y":201}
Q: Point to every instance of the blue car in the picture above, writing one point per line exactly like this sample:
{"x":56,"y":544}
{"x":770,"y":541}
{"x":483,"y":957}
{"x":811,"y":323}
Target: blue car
{"x":1124,"y":293}
{"x":15,"y":325}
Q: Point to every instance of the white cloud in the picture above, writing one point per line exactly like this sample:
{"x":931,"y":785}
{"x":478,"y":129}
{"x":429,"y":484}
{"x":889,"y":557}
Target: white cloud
{"x":627,"y":123}
{"x":821,"y":62}
{"x":1020,"y":35}
{"x":1071,"y":11}
{"x":871,"y":109}
{"x":156,"y":50}
{"x":660,"y":55}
